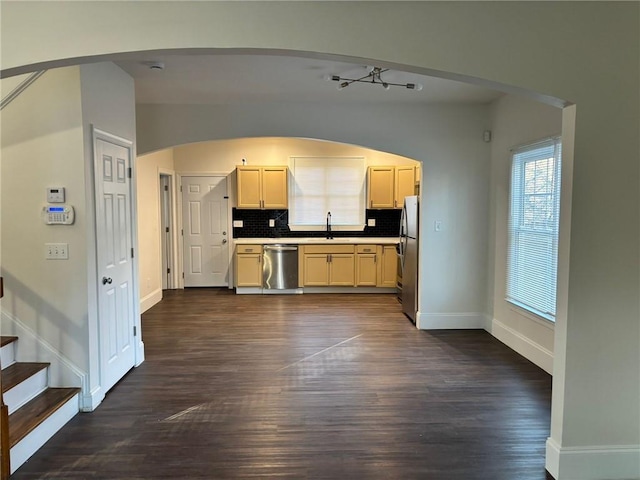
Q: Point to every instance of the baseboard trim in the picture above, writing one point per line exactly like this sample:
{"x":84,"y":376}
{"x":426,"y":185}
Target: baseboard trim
{"x":620,"y":462}
{"x":90,"y":401}
{"x":150,"y":300}
{"x":456,"y":321}
{"x":530,"y":350}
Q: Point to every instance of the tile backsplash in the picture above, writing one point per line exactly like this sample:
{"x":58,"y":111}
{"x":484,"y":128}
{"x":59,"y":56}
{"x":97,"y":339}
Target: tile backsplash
{"x":256,"y":225}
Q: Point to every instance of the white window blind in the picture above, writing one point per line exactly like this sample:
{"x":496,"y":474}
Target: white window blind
{"x":533,"y":227}
{"x":327,"y":184}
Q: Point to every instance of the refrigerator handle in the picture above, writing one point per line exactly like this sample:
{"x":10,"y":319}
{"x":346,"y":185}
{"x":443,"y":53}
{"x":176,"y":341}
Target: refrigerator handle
{"x":402,"y":234}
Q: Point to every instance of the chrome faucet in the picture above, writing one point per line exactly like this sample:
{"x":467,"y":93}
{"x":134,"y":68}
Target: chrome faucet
{"x":329,"y":236}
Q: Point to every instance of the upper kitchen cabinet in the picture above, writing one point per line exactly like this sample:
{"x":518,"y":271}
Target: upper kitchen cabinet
{"x":405,"y":184}
{"x":389,"y":185}
{"x":262,"y":187}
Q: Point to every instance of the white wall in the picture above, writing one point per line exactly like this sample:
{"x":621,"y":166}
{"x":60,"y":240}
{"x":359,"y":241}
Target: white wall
{"x":225,"y":155}
{"x":108,"y":104}
{"x":46,"y":141}
{"x":516,"y":121}
{"x":587,"y":53}
{"x":149,"y":242}
{"x":42,"y":147}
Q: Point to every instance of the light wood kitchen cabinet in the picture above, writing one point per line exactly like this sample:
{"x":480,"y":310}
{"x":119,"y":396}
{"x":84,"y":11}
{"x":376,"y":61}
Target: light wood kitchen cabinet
{"x":342,"y":269}
{"x":366,"y":265}
{"x":405,"y":184}
{"x":387,"y":266}
{"x":387,"y":186}
{"x":249,"y":266}
{"x":381,"y":186}
{"x":328,"y":265}
{"x":316,"y":269}
{"x":262,"y":187}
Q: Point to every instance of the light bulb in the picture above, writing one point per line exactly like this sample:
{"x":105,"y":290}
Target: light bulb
{"x":414,"y":86}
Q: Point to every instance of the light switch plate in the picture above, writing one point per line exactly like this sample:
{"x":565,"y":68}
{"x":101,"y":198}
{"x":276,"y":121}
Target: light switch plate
{"x":371,"y":222}
{"x":56,"y":251}
{"x":272,"y":222}
{"x":238,"y":223}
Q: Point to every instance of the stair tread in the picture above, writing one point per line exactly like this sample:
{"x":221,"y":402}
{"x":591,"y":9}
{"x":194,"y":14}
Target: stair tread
{"x":4,"y":340}
{"x":24,"y":420}
{"x":18,"y":372}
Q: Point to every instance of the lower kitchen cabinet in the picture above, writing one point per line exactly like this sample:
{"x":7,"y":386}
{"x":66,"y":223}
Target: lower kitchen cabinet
{"x":342,"y":269}
{"x":316,"y":270}
{"x":249,"y":266}
{"x":387,"y":266}
{"x":328,"y":265}
{"x":367,"y":266}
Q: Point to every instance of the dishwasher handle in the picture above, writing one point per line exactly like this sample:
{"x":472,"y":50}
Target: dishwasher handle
{"x":281,"y":248}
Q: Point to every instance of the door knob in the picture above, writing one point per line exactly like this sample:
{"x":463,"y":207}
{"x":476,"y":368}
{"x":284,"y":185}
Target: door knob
{"x":106,"y":280}
{"x":224,"y":233}
{"x":224,"y":240}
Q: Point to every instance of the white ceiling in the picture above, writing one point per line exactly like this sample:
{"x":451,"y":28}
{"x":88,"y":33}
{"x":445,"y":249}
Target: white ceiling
{"x":233,"y":79}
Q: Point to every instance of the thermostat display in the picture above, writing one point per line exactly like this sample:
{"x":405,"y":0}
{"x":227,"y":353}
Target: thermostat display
{"x":55,"y":194}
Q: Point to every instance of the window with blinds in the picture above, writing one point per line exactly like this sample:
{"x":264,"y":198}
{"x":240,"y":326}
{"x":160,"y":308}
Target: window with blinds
{"x":327,"y":184}
{"x":532,"y":262}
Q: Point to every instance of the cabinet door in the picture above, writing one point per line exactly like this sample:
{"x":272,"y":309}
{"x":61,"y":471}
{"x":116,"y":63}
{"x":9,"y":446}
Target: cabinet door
{"x":249,"y":270}
{"x":381,"y":187}
{"x":274,"y":187}
{"x":387,"y":266}
{"x":249,"y":187}
{"x":405,"y":184}
{"x":342,"y":269}
{"x":316,"y":270}
{"x":366,"y":270}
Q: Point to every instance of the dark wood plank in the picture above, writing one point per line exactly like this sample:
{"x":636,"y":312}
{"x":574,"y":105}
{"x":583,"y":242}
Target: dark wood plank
{"x":18,"y":372}
{"x":24,"y":420}
{"x":5,"y":340}
{"x":308,"y":386}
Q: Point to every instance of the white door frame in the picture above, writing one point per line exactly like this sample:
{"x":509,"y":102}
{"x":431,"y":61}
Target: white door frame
{"x":90,"y":400}
{"x":174,"y":276}
{"x":181,"y":221}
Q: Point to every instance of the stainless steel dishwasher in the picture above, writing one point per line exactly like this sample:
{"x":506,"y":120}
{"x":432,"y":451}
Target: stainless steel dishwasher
{"x":280,"y":267}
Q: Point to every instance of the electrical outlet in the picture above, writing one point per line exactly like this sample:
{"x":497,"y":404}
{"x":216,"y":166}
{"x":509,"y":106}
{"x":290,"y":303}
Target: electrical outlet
{"x":371,"y":222}
{"x":272,"y":222}
{"x":238,"y":223}
{"x":437,"y":225}
{"x":56,"y":251}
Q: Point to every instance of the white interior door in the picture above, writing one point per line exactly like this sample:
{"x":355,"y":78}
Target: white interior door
{"x":205,"y":236}
{"x":115,"y":268}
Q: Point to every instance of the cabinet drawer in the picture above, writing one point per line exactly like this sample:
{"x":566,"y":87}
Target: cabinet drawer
{"x":329,"y":249}
{"x":366,"y":248}
{"x":249,"y":248}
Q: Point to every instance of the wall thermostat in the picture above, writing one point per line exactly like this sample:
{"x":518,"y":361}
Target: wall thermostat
{"x":58,"y":214}
{"x":55,"y":194}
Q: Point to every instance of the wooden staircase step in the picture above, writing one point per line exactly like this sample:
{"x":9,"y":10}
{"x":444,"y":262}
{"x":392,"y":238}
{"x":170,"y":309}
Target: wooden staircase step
{"x":7,"y":340}
{"x":27,"y":418}
{"x":19,"y":372}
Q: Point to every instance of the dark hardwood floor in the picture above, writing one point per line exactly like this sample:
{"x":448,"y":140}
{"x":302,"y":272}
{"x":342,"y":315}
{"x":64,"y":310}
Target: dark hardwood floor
{"x":308,"y":387}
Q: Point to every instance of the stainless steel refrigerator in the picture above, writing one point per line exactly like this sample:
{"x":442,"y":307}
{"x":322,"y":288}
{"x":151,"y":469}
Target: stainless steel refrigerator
{"x":409,"y":256}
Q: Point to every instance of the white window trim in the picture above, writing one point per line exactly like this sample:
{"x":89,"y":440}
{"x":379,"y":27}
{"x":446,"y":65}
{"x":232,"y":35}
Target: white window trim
{"x":548,"y":317}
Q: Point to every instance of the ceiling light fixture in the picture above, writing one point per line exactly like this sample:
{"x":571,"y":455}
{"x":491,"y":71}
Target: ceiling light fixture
{"x":374,"y":77}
